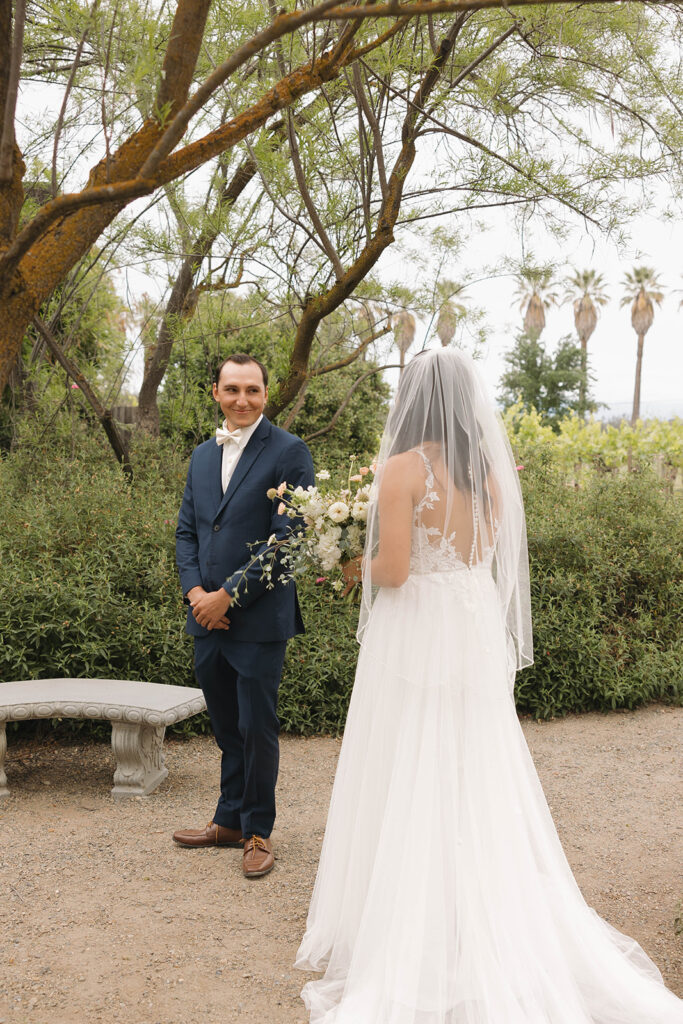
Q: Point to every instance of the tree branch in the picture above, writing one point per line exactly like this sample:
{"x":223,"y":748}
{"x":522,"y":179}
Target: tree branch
{"x":67,"y":92}
{"x":362,"y":99}
{"x":104,"y":415}
{"x":64,"y":204}
{"x":179,"y":306}
{"x":378,"y":41}
{"x":318,"y":307}
{"x":7,"y":137}
{"x":180,"y":59}
{"x":316,"y":221}
{"x":283,"y":25}
{"x":347,"y":398}
{"x":351,"y":358}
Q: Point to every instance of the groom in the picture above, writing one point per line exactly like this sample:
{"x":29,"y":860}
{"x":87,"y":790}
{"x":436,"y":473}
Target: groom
{"x":240,"y":626}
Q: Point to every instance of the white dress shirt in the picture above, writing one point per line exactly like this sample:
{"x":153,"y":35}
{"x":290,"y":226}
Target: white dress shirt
{"x":232,"y":452}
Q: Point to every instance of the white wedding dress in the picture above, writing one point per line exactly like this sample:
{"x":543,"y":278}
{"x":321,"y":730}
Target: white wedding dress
{"x":443,"y":895}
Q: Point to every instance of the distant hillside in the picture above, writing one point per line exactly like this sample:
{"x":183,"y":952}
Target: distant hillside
{"x":659,"y":409}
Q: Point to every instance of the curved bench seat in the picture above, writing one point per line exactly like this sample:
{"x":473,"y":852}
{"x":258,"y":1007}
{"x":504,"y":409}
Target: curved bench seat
{"x":139,"y":713}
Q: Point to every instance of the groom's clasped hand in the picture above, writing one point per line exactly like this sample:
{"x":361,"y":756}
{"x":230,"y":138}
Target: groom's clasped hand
{"x":209,"y":609}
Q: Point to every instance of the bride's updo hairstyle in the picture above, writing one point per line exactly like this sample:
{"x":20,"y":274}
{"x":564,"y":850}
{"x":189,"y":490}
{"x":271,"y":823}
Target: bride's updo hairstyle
{"x":442,"y":411}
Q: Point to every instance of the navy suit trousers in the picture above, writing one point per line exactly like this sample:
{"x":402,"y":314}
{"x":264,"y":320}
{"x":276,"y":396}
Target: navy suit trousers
{"x":240,"y":683}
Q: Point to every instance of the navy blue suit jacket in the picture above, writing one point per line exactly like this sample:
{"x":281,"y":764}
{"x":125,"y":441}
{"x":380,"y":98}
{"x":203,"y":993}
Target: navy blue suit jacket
{"x":215,"y":530}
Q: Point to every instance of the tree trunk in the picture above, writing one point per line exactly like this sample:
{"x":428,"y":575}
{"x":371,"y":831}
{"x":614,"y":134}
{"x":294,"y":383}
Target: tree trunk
{"x":62,"y":244}
{"x":582,"y":382}
{"x":635,"y":415}
{"x":158,"y":354}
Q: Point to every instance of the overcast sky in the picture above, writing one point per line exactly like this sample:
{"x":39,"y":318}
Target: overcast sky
{"x":655,"y":241}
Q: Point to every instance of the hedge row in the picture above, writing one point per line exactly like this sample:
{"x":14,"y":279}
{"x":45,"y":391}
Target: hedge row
{"x":88,"y":588}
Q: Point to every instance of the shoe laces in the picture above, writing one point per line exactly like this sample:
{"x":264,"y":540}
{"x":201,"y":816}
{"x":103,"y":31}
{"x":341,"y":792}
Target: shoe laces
{"x":254,"y":843}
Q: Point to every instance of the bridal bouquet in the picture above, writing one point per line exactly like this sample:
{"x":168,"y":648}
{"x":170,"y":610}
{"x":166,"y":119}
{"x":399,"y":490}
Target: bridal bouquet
{"x":333,"y":521}
{"x":328,"y":529}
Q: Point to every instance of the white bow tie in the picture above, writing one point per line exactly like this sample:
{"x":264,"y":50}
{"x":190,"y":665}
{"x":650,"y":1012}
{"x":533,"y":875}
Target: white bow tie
{"x":224,"y":436}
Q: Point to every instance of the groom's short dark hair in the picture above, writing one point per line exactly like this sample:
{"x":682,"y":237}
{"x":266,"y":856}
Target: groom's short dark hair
{"x":242,"y":358}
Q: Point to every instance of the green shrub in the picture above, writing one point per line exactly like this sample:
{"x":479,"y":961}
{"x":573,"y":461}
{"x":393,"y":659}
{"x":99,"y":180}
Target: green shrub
{"x":89,"y":588}
{"x":606,"y":567}
{"x":320,"y":665}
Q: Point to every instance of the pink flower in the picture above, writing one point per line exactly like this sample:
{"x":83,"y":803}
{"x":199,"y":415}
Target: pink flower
{"x":518,"y":468}
{"x":321,"y":579}
{"x":358,"y":477}
{"x":75,"y":387}
{"x":281,"y":509}
{"x":364,"y":470}
{"x":282,"y":488}
{"x":373,"y":467}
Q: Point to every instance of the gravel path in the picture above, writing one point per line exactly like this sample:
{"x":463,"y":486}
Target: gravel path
{"x":105,"y":919}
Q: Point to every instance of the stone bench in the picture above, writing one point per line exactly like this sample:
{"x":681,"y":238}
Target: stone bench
{"x":138,"y":712}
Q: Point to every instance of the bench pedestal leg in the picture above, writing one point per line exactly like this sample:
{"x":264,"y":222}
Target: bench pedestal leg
{"x":4,"y":791}
{"x":139,"y":758}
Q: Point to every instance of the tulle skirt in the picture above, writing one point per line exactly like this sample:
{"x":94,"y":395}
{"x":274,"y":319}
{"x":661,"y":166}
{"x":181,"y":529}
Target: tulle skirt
{"x":443,"y":895}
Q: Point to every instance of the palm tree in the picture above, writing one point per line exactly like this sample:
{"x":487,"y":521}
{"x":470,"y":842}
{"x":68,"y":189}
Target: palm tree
{"x":586,"y":289}
{"x":404,"y":334}
{"x":642,"y":290}
{"x":447,"y":321}
{"x":536,"y":291}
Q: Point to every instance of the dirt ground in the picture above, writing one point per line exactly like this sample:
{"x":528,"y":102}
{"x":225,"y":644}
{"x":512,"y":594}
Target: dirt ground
{"x":103,"y":918}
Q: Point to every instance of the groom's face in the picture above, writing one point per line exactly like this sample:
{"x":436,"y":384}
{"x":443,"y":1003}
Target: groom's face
{"x":241,"y":394}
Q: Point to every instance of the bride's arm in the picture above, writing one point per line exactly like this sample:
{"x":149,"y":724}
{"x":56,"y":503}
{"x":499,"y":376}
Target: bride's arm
{"x":391,"y":565}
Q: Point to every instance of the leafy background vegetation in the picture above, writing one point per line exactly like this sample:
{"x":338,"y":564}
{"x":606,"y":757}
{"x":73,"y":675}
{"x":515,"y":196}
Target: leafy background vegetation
{"x":91,"y":589}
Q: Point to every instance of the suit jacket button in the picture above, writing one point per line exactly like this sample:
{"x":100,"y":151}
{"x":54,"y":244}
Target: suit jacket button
{"x":216,"y":527}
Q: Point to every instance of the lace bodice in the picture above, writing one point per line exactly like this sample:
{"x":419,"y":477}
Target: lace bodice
{"x":432,"y":550}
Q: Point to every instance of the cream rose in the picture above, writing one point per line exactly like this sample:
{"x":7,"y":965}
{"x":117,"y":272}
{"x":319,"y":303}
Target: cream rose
{"x":338,"y":511}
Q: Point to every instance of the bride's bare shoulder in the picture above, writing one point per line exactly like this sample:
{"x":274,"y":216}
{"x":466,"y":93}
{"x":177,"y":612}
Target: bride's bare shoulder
{"x":404,"y":471}
{"x":405,"y":462}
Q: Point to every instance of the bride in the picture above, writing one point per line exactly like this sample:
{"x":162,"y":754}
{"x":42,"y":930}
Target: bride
{"x":443,"y":895}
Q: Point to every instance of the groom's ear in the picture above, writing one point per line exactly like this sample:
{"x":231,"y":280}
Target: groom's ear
{"x":214,"y":391}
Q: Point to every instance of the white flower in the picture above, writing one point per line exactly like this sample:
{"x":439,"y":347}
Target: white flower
{"x":322,"y":475}
{"x":327,"y":549}
{"x":330,"y":559}
{"x":315,"y":507}
{"x":338,"y":511}
{"x":360,"y":511}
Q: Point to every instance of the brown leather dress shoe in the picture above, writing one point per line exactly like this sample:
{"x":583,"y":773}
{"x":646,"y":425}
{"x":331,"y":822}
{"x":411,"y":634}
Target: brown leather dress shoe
{"x":212,"y":835}
{"x":257,"y":858}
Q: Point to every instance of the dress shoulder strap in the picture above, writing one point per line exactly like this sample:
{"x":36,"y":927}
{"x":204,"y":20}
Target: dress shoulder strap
{"x":429,"y":480}
{"x":425,"y":459}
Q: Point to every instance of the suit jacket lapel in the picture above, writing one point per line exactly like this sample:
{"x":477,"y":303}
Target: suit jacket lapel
{"x":216,"y":474}
{"x":254,"y":447}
